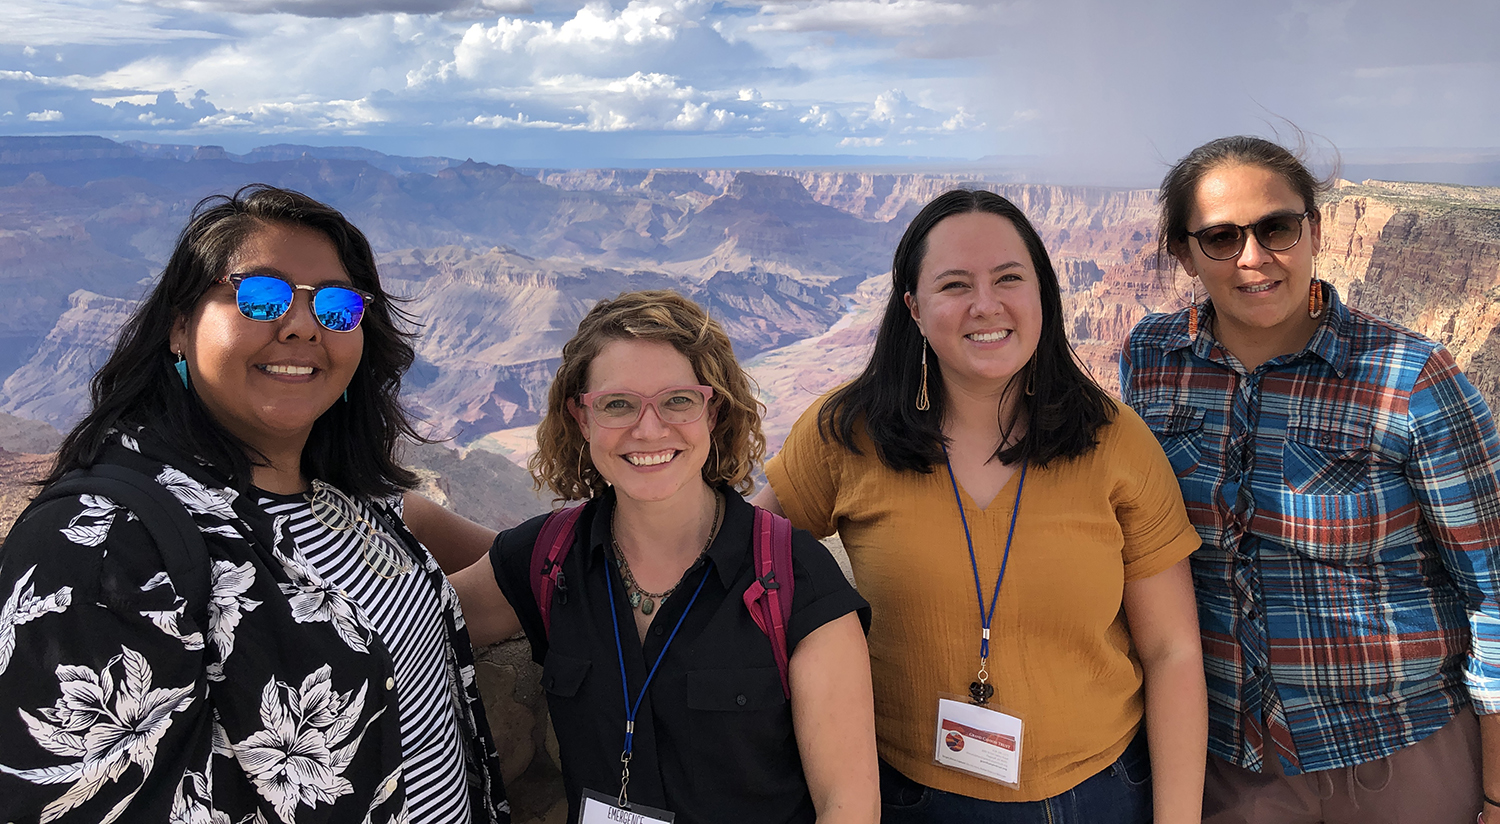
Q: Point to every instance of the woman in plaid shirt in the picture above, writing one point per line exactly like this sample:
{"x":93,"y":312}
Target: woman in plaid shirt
{"x":1341,"y":471}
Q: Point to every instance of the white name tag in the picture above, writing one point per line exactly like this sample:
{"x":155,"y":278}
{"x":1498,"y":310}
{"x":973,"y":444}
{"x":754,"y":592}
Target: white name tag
{"x":979,"y":741}
{"x":602,"y":809}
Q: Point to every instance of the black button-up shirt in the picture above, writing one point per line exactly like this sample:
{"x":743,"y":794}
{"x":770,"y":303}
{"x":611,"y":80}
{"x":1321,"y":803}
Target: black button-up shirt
{"x":713,"y":737}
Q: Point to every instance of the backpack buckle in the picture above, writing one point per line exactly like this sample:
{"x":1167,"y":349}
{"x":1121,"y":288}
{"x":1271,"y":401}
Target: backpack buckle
{"x":768,"y":581}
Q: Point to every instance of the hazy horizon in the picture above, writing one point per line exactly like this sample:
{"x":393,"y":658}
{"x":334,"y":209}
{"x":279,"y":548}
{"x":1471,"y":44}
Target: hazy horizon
{"x":1095,"y":92}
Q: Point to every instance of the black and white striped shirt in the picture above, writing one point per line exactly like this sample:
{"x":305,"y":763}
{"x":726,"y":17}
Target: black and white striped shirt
{"x":406,"y":612}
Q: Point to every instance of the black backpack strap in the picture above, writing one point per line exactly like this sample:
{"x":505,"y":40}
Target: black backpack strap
{"x":177,"y":538}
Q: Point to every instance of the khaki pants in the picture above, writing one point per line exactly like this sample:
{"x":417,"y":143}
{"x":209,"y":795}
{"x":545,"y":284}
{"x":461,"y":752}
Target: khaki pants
{"x":1434,"y":781}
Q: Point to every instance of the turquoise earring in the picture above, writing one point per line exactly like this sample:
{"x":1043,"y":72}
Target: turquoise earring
{"x":181,"y":367}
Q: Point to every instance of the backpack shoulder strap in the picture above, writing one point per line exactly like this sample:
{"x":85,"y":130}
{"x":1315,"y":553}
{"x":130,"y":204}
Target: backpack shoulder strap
{"x":177,"y":538}
{"x":547,"y":556}
{"x":769,"y":596}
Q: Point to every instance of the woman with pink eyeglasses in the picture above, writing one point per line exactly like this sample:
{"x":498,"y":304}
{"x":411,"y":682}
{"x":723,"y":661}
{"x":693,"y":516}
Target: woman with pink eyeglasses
{"x":666,"y":695}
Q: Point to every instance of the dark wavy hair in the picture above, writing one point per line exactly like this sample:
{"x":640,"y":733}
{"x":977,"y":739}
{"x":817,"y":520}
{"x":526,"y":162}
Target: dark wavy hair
{"x":352,"y":444}
{"x":1064,"y":411}
{"x":1179,"y":189}
{"x":561,"y":461}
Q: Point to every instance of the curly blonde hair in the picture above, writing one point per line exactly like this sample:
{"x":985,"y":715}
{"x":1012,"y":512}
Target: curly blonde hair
{"x":562,"y":462}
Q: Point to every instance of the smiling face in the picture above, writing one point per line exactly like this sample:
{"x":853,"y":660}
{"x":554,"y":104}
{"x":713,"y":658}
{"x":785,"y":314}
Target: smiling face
{"x":1259,"y":297}
{"x":650,"y":460}
{"x":267,"y":382}
{"x":978,"y":301}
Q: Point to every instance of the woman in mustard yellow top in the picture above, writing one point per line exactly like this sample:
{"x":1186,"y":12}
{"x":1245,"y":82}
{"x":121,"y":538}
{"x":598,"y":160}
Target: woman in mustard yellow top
{"x":1021,"y":539}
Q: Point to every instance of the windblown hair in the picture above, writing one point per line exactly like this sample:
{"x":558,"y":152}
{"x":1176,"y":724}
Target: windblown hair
{"x":1179,"y":189}
{"x":562,"y":462}
{"x":352,"y":444}
{"x":1063,"y":412}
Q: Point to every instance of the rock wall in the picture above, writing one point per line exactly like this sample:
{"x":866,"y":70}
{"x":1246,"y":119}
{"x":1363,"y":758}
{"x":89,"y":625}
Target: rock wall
{"x":517,"y":710}
{"x":53,"y":385}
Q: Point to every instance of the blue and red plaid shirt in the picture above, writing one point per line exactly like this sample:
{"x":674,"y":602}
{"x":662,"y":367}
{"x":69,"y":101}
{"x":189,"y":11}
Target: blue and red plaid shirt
{"x":1349,"y":579}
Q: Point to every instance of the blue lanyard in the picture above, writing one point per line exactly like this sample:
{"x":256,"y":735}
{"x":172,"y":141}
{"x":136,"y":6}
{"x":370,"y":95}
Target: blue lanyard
{"x":632,"y":709}
{"x":980,"y":690}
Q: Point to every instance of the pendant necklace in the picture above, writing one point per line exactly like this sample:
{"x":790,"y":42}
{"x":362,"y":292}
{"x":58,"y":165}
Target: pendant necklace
{"x":639,"y":598}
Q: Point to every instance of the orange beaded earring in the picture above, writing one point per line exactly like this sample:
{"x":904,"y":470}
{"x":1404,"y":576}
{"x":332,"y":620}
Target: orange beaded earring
{"x":1192,"y":308}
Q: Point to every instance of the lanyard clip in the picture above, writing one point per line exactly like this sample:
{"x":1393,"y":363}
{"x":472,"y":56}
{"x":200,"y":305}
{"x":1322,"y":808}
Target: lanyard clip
{"x":624,"y":799}
{"x":980,"y":691}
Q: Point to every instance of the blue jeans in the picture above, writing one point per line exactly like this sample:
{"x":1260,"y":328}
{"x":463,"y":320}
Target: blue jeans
{"x":1117,"y":794}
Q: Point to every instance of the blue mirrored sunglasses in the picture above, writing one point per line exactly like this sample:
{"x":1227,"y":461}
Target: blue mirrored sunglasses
{"x":268,"y":297}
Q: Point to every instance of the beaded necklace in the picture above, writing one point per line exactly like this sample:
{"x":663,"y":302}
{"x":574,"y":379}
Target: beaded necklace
{"x":639,"y":598}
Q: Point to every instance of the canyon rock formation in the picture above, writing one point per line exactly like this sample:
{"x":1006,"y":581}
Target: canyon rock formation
{"x":497,"y":265}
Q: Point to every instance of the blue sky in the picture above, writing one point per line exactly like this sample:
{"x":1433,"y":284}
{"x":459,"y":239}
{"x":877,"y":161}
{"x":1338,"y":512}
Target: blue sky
{"x":1087,"y":85}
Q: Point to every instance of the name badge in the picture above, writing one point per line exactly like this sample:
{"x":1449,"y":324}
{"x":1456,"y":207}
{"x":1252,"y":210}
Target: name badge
{"x":602,"y":809}
{"x":979,"y":741}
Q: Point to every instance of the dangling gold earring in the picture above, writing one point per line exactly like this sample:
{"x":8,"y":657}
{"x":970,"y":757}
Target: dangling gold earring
{"x":1031,"y":376}
{"x":1315,"y":297}
{"x":923,"y":404}
{"x":713,"y":456}
{"x":1192,"y":307}
{"x":584,"y":447}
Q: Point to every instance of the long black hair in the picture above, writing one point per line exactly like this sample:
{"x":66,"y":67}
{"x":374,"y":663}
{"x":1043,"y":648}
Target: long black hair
{"x":352,"y":445}
{"x":1064,"y":407}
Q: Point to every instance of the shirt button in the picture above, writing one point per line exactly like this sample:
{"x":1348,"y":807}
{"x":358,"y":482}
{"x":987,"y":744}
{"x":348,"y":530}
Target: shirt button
{"x":390,"y":683}
{"x":740,"y":699}
{"x":390,"y":787}
{"x":657,"y":631}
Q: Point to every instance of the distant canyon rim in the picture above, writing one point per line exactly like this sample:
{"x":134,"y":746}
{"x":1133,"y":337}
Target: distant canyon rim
{"x":499,"y":264}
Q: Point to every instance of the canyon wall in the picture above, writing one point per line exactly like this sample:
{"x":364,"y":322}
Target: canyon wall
{"x":497,"y":266}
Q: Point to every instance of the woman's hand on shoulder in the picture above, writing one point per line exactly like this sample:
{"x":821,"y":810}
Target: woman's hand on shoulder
{"x":766,"y":499}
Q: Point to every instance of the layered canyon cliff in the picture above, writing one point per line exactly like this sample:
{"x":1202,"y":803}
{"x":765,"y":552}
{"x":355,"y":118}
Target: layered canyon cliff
{"x":497,"y":266}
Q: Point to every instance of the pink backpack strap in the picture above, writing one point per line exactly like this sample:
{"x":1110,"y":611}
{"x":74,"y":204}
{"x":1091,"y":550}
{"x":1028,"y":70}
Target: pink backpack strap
{"x":769,"y":597}
{"x":547,"y":556}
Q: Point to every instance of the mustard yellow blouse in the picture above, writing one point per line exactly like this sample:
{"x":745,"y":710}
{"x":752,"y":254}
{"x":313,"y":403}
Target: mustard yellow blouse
{"x":1060,"y":652}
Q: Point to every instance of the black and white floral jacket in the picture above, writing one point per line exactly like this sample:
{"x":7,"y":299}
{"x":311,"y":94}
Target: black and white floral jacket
{"x":116,"y":706}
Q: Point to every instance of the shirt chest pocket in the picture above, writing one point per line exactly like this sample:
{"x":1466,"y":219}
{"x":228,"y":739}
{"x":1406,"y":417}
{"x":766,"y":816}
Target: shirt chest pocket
{"x":1326,"y":459}
{"x":1328,"y":508}
{"x":562,"y":675}
{"x":1177,"y":427}
{"x":745,"y":715}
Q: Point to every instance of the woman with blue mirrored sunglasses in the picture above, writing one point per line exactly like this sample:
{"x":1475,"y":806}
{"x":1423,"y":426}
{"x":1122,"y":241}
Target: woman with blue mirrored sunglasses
{"x":246,"y":584}
{"x":266,"y":297}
